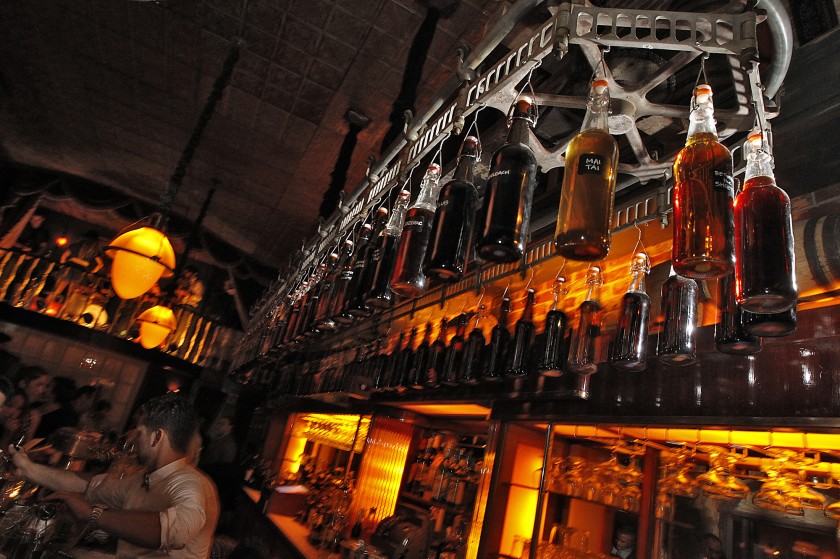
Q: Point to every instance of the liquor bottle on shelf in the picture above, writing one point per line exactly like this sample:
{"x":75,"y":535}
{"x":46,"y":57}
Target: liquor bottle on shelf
{"x":441,"y":479}
{"x":350,"y":278}
{"x":523,"y":339}
{"x":455,"y":352}
{"x":731,"y":335}
{"x":420,"y":361}
{"x":400,"y":380}
{"x":765,"y":274}
{"x":556,"y":321}
{"x":770,"y":325}
{"x":676,"y":344}
{"x":330,"y":290}
{"x":629,"y":348}
{"x":473,"y":361}
{"x":453,"y":225}
{"x":408,"y":279}
{"x":497,"y":349}
{"x":382,"y":381}
{"x":703,"y":244}
{"x":365,"y":269}
{"x":583,"y":352}
{"x":510,"y":190}
{"x":588,"y":193}
{"x":385,"y":256}
{"x":437,"y":357}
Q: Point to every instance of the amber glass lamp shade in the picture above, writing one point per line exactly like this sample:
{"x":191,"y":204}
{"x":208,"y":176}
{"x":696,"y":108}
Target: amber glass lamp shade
{"x":140,"y":257}
{"x":155,"y":324}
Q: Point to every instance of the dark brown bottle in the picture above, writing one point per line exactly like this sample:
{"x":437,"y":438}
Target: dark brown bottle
{"x":677,"y":344}
{"x":291,"y":322}
{"x":437,"y":355}
{"x":385,"y":256}
{"x":497,"y":349}
{"x":731,"y":336}
{"x":472,"y":363}
{"x":455,"y":352}
{"x":400,"y":380}
{"x":420,"y":361}
{"x":329,"y":285}
{"x":588,"y":194}
{"x":408,"y":279}
{"x":770,"y":325}
{"x":386,"y":373}
{"x":365,"y":269}
{"x":583,"y":353}
{"x":764,"y":256}
{"x":510,"y":191}
{"x":344,"y":283}
{"x":523,"y":339}
{"x":703,"y":198}
{"x":629,"y":348}
{"x":453,"y":225}
{"x":556,"y":321}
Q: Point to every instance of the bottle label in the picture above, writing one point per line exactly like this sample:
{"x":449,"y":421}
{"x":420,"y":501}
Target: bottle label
{"x":415,"y":224}
{"x":724,"y":181}
{"x":377,"y":254}
{"x":347,"y":275}
{"x":591,"y":164}
{"x":498,"y":173}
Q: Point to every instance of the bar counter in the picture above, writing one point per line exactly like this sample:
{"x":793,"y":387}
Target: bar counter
{"x":290,"y":536}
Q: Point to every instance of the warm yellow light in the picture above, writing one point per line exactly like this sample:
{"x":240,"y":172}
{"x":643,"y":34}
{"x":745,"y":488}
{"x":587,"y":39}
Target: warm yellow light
{"x":155,"y":324}
{"x":140,"y":258}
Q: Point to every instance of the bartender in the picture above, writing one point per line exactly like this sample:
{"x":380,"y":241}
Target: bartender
{"x":171,"y":509}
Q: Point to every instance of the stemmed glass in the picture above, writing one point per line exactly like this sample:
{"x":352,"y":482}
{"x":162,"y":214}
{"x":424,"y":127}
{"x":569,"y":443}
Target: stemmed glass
{"x":718,"y":482}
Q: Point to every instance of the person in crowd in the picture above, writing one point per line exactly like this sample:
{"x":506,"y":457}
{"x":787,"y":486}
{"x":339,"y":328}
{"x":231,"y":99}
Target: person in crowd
{"x":81,"y":260}
{"x":221,"y":448}
{"x":57,"y":410}
{"x":18,"y":264}
{"x":83,"y":402}
{"x":97,"y":418}
{"x":31,"y":384}
{"x":7,"y":391}
{"x":624,"y":542}
{"x":172,"y":509}
{"x":714,"y":547}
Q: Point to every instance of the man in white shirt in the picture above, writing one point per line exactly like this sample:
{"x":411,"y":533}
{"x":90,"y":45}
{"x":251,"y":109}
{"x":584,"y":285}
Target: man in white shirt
{"x":170,"y":511}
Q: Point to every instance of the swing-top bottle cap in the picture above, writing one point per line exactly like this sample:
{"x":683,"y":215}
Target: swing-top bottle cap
{"x":382,"y":211}
{"x":367,"y":227}
{"x":524,"y":103}
{"x":348,"y":244}
{"x":600,"y":85}
{"x":640,"y":262}
{"x":333,"y":256}
{"x":593,"y":275}
{"x":404,"y":194}
{"x":703,"y":93}
{"x":754,"y":139}
{"x":433,"y":169}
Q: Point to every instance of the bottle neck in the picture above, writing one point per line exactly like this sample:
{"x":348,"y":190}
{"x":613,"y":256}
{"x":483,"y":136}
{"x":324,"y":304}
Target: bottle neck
{"x":597,"y":112}
{"x":520,"y":131}
{"x":429,"y":190}
{"x":466,"y":168}
{"x":503,"y":312}
{"x":444,"y":326}
{"x":528,"y":313}
{"x":397,"y":219}
{"x":759,"y":164}
{"x":594,"y":292}
{"x":702,"y":124}
{"x":637,"y":282}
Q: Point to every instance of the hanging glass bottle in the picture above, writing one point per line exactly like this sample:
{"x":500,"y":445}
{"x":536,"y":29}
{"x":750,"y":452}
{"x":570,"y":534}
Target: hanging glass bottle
{"x":341,"y":289}
{"x":583,"y":351}
{"x":455,"y":352}
{"x":731,"y":336}
{"x":629,"y":348}
{"x":497,"y":349}
{"x":703,"y":197}
{"x":474,"y":350}
{"x":385,"y":255}
{"x":510,"y":190}
{"x":765,"y":274}
{"x":420,"y":361}
{"x":401,"y":370}
{"x":677,"y":344}
{"x":453,"y":225}
{"x":329,"y":286}
{"x":588,"y":194}
{"x":437,"y":354}
{"x":523,"y":339}
{"x":365,"y":269}
{"x":551,"y":360}
{"x":386,"y":373}
{"x":408,"y":279}
{"x":770,"y":325}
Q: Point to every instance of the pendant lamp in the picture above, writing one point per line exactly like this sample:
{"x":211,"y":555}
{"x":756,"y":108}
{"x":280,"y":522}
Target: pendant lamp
{"x":155,"y":325}
{"x":142,"y":254}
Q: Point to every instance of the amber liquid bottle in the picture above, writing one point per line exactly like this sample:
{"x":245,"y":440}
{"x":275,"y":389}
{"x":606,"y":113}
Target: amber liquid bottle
{"x":510,"y":191}
{"x":453,"y":225}
{"x":408,"y":279}
{"x":731,"y":335}
{"x":497,"y":349}
{"x":629,"y":348}
{"x":583,"y":352}
{"x":355,"y":290}
{"x":437,"y":356}
{"x":588,"y":194}
{"x":523,"y":340}
{"x":765,"y":275}
{"x":474,"y":350}
{"x":455,"y":352}
{"x":420,"y":361}
{"x":703,"y":198}
{"x":384,"y":257}
{"x":677,"y":343}
{"x":556,"y":321}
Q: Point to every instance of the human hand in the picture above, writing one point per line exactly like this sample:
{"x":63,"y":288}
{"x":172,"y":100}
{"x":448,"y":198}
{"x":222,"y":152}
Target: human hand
{"x":21,"y":460}
{"x":75,"y":502}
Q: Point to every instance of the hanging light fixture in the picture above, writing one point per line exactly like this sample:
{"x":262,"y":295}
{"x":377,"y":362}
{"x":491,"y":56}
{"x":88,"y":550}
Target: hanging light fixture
{"x":141,"y":254}
{"x":155,"y":325}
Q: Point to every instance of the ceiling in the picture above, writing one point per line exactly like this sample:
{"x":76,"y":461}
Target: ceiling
{"x":111,"y":90}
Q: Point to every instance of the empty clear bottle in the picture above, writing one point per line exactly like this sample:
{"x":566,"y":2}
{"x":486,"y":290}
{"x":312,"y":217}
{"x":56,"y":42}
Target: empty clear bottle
{"x":677,"y":343}
{"x":629,"y":348}
{"x":585,"y":345}
{"x":588,"y":194}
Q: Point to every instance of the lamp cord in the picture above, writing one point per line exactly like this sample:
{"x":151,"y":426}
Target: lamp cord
{"x":168,"y":196}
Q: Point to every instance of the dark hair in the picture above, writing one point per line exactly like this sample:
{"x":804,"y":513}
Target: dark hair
{"x":91,"y":234}
{"x":63,"y":389}
{"x":175,"y":415}
{"x":29,"y":373}
{"x":7,"y":387}
{"x":86,"y":390}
